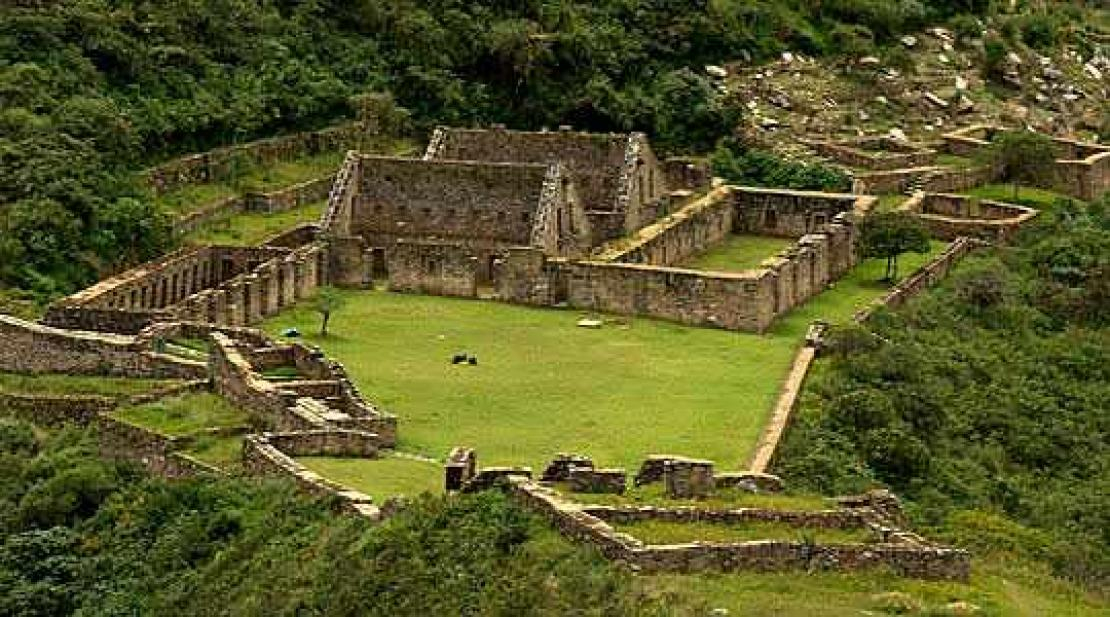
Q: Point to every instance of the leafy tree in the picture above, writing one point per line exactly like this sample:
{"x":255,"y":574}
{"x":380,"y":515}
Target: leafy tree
{"x":890,"y":234}
{"x":327,"y":301}
{"x":1024,"y":156}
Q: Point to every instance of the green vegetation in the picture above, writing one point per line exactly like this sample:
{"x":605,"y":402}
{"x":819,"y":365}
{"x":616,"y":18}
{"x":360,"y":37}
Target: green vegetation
{"x":224,"y":451}
{"x":1025,"y":157}
{"x":1026,"y":196}
{"x":889,"y":235}
{"x":85,"y":536}
{"x":739,"y":252}
{"x":984,"y":397}
{"x":999,"y":587}
{"x":251,"y":228}
{"x":655,"y":495}
{"x":15,"y":383}
{"x":185,"y":414}
{"x":856,"y":290}
{"x":667,"y":532}
{"x":381,"y":478}
{"x":953,"y":160}
{"x":746,"y":166}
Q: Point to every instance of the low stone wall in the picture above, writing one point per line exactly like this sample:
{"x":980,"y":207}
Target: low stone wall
{"x":582,"y":523}
{"x":922,"y":278}
{"x":56,"y":410}
{"x":435,"y":268}
{"x":288,"y":198}
{"x":263,"y":456}
{"x":122,"y":440}
{"x":936,"y":179}
{"x":793,"y":214}
{"x":27,"y":347}
{"x":216,"y":165}
{"x":879,"y":153}
{"x":821,"y":519}
{"x":950,"y":216}
{"x":328,"y":442}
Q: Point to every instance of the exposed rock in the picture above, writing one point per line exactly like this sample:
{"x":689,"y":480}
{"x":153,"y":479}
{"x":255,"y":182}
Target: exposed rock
{"x":935,"y":100}
{"x":943,"y":59}
{"x":909,"y":40}
{"x":787,"y":57}
{"x":716,"y":71}
{"x":898,"y":134}
{"x":869,"y":61}
{"x":1013,"y":58}
{"x":961,"y":83}
{"x":960,"y":608}
{"x":1093,"y":71}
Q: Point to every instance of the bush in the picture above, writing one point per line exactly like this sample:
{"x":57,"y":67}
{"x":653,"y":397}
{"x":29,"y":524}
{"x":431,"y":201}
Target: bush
{"x":735,"y":162}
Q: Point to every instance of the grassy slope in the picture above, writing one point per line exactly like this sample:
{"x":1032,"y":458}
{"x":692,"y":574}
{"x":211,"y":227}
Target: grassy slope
{"x":998,"y":586}
{"x":654,"y":494}
{"x":251,"y":228}
{"x":380,"y":478}
{"x":738,"y":252}
{"x":71,"y":384}
{"x":181,"y":415}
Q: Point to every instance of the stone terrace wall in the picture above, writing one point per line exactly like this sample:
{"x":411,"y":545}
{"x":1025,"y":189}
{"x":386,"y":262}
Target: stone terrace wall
{"x":924,"y":277}
{"x":1082,"y":170}
{"x":288,"y":198}
{"x":879,"y":153}
{"x":27,"y":347}
{"x":938,"y":179}
{"x":216,"y":165}
{"x":951,"y":216}
{"x":582,"y":524}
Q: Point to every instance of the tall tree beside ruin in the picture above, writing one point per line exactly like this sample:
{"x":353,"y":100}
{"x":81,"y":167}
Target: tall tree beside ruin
{"x":327,"y":301}
{"x":1024,"y":156}
{"x":889,"y":235}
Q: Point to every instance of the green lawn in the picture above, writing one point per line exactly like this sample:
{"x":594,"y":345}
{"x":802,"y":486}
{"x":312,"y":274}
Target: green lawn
{"x":738,"y":252}
{"x":381,"y":478}
{"x":669,"y":532}
{"x":1027,"y":196}
{"x":953,"y":160}
{"x":69,"y":384}
{"x":544,"y":386}
{"x":223,"y":451}
{"x":654,"y":495}
{"x":852,"y":292}
{"x":890,"y":202}
{"x":998,"y":586}
{"x":251,"y":228}
{"x":185,"y":414}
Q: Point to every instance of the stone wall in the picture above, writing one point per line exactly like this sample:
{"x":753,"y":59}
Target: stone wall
{"x":217,"y":284}
{"x":55,"y":410}
{"x":879,"y":153}
{"x":786,"y":213}
{"x":439,"y":269}
{"x":1082,"y":170}
{"x":264,"y":455}
{"x":27,"y":347}
{"x":690,"y":230}
{"x":903,"y":553}
{"x":937,"y":179}
{"x":216,"y":165}
{"x":950,"y":216}
{"x":288,"y":198}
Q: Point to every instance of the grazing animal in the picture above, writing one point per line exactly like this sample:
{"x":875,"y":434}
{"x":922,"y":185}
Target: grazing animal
{"x":472,"y":360}
{"x":458,"y":358}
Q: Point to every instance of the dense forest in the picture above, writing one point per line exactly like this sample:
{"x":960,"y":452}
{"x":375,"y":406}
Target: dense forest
{"x":985,"y":402}
{"x":91,"y":90}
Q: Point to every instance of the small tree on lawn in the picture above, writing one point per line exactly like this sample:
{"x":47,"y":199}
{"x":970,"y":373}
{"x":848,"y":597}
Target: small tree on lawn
{"x":327,"y":301}
{"x":888,"y":235}
{"x":1024,"y":156}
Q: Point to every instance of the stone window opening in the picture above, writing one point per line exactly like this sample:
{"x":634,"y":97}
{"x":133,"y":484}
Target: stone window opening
{"x":427,"y":213}
{"x":819,"y":220}
{"x":770,"y":218}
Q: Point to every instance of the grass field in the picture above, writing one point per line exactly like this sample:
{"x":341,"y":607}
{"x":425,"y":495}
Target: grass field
{"x":73,"y":384}
{"x":738,"y":252}
{"x":544,"y":386}
{"x":224,"y":451}
{"x":380,"y":478}
{"x":670,"y":532}
{"x":185,"y":414}
{"x":999,"y":587}
{"x":1026,"y":196}
{"x":251,"y":228}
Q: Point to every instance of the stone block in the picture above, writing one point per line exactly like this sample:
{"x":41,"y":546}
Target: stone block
{"x":688,"y":478}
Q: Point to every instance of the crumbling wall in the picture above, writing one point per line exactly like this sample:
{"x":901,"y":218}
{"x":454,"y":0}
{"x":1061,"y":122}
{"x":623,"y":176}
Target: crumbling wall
{"x":690,"y":230}
{"x":778,"y":212}
{"x":948,"y":216}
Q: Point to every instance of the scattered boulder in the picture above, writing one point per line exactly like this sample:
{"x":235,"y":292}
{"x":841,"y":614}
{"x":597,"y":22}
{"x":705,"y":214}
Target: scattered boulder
{"x":895,"y":603}
{"x":909,"y":40}
{"x":959,"y":608}
{"x":589,"y":322}
{"x":716,"y":71}
{"x":935,"y":100}
{"x":558,"y":470}
{"x":869,"y":61}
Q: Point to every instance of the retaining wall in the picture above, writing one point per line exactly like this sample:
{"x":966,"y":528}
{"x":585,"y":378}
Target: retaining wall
{"x":948,"y":216}
{"x":288,"y":198}
{"x":924,"y":277}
